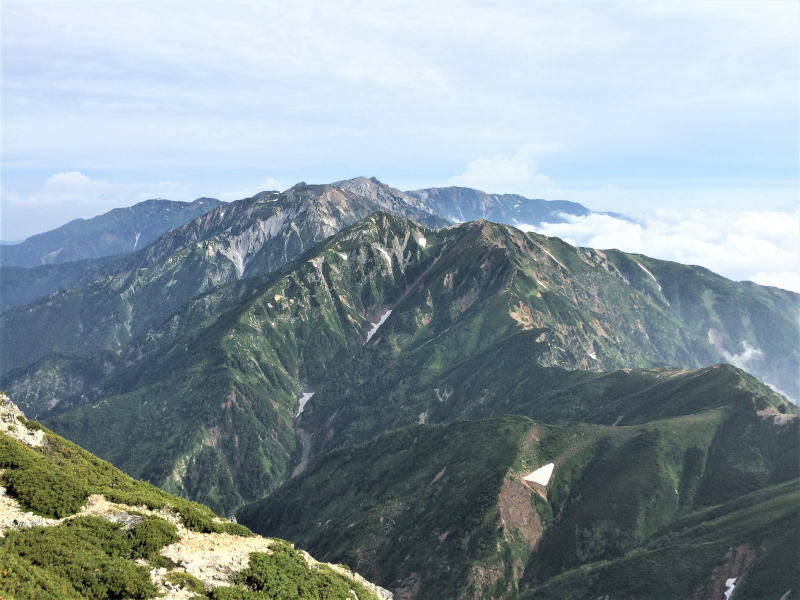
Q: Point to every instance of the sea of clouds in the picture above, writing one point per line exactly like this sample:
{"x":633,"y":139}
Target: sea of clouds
{"x":759,"y":246}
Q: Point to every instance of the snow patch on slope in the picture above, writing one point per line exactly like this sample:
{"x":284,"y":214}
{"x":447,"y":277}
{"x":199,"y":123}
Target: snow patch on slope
{"x":642,"y":267}
{"x":730,"y":584}
{"x":546,"y":251}
{"x":386,"y":255}
{"x":541,"y":475}
{"x":376,"y":326}
{"x":302,"y":401}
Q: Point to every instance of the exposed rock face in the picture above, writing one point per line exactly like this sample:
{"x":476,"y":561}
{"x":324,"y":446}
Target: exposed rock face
{"x":213,"y":558}
{"x":737,"y":562}
{"x":12,"y":516}
{"x":521,"y":528}
{"x":517,"y":512}
{"x":12,"y":424}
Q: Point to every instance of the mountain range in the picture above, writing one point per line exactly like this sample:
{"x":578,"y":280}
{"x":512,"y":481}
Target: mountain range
{"x":352,"y":368}
{"x":300,"y":216}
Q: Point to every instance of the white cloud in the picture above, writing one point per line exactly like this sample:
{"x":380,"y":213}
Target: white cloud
{"x":505,"y":174}
{"x":75,"y":188}
{"x":67,"y":195}
{"x":744,"y":358}
{"x":760,"y":246}
{"x":631,"y":197}
{"x":788,"y":280}
{"x":70,"y":187}
{"x":270,"y":183}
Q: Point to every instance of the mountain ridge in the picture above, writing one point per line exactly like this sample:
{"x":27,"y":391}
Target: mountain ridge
{"x":460,"y":204}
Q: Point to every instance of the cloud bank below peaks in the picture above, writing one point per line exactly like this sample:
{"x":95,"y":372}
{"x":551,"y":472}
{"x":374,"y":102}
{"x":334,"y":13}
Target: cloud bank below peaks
{"x":759,"y":246}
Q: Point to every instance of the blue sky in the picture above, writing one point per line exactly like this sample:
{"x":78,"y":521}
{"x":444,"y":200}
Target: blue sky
{"x":632,"y":106}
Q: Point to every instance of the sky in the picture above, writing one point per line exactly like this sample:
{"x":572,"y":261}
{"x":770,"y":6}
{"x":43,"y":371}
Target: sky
{"x":683,"y":115}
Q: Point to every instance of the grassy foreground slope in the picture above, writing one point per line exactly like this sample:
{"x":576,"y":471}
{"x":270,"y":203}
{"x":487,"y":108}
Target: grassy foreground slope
{"x":442,"y":511}
{"x":72,"y":527}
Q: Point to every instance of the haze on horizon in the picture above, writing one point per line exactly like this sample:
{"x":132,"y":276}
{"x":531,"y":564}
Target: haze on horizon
{"x":683,"y":115}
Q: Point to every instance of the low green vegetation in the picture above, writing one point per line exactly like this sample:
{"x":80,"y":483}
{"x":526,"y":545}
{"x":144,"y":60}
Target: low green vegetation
{"x":283,"y":574}
{"x":20,"y":579}
{"x":149,"y":536}
{"x":86,"y":557}
{"x":44,"y":490}
{"x":187,"y":582}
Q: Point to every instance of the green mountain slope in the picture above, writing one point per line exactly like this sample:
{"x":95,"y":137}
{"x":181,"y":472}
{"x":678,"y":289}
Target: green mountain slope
{"x":751,"y":539}
{"x":442,"y":511}
{"x":74,"y":527}
{"x":209,"y":412}
{"x":274,"y":354}
{"x":499,"y":305}
{"x":204,"y":404}
{"x":118,"y":231}
{"x":23,"y":285}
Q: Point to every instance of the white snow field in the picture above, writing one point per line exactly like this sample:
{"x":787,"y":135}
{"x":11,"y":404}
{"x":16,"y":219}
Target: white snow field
{"x":376,"y":326}
{"x":541,"y":475}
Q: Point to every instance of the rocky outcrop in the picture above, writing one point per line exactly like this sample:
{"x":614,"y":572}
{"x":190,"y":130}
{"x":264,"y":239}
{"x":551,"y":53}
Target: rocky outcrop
{"x":14,"y":424}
